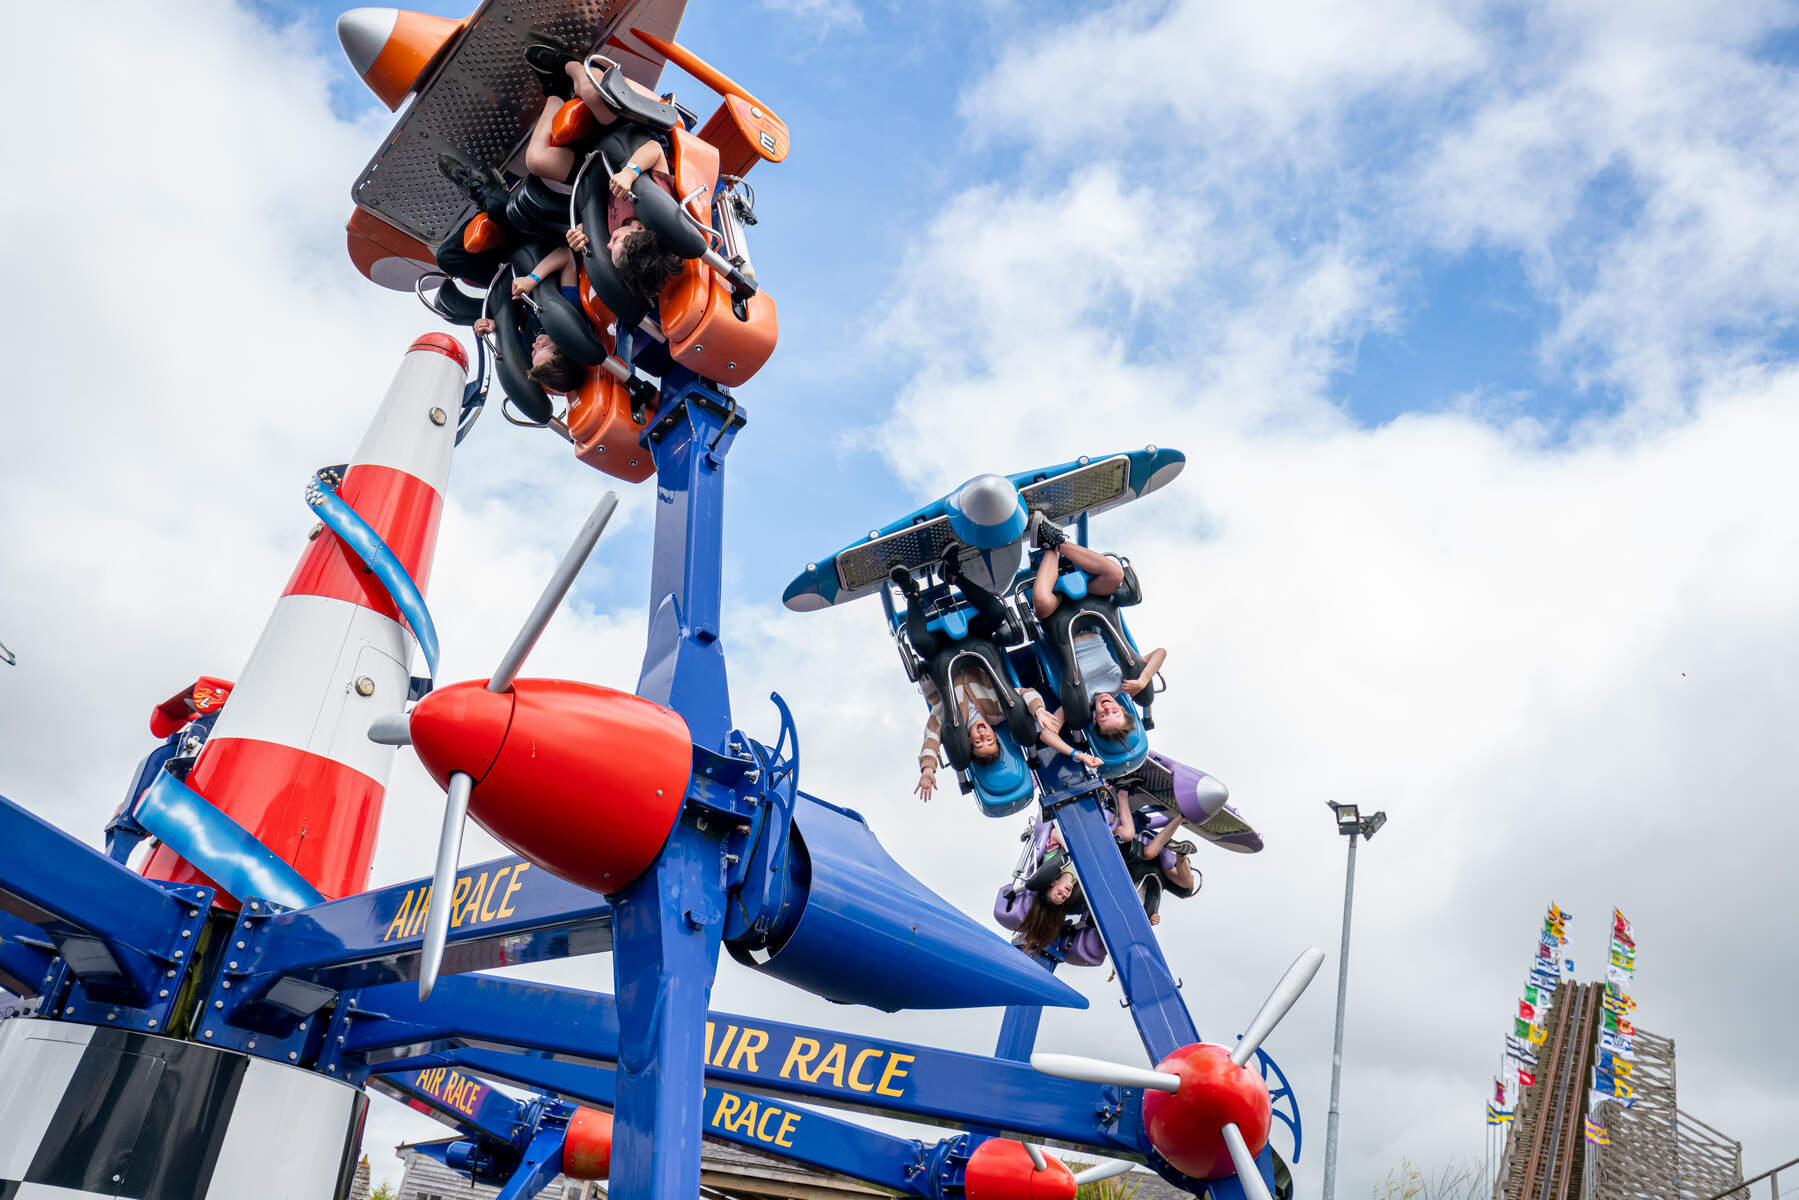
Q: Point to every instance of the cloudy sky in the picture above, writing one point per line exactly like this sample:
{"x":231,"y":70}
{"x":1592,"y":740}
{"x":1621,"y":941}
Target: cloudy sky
{"x":1476,"y":322}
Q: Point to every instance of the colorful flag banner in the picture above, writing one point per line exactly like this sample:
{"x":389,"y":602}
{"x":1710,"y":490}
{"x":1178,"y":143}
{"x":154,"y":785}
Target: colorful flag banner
{"x":1498,"y":1116}
{"x":1595,"y":1099}
{"x":1520,"y":1027}
{"x":1532,"y":996}
{"x":1611,"y":1086}
{"x":1617,"y":1044}
{"x":1519,"y":1051}
{"x":1537,"y":1035}
{"x":1617,"y":977}
{"x":1620,"y":925}
{"x":1499,"y":1092}
{"x":1525,"y":1078}
{"x":1527,"y":1010}
{"x":1616,"y":1004}
{"x":1614,"y":1065}
{"x":1596,"y":1133}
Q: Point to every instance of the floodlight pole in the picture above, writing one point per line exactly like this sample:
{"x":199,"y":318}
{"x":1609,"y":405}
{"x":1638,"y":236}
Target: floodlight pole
{"x":1356,"y":826}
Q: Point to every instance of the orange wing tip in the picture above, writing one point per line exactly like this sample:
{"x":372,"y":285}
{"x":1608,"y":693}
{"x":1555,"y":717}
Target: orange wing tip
{"x":384,"y":255}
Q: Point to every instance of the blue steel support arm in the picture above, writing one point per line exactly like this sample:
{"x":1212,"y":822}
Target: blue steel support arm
{"x":116,"y":930}
{"x":684,"y":661}
{"x":457,"y":1099}
{"x":1155,"y":1002}
{"x":819,"y":1065}
{"x":752,"y":1121}
{"x":668,"y":923}
{"x":503,"y":913}
{"x":541,"y":1163}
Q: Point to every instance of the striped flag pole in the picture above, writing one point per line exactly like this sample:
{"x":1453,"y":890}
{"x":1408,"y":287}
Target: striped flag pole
{"x":290,"y":759}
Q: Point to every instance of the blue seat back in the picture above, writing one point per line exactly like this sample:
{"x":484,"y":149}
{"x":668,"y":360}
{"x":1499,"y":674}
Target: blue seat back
{"x":952,"y":624}
{"x":1124,"y":755}
{"x":1072,"y":584}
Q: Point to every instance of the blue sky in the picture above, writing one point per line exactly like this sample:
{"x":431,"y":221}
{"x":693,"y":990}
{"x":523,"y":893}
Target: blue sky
{"x":1476,"y":321}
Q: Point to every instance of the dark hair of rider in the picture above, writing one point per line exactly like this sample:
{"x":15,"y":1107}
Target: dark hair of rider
{"x":990,"y":754}
{"x":645,"y":264}
{"x":558,"y":373}
{"x":1043,"y":924}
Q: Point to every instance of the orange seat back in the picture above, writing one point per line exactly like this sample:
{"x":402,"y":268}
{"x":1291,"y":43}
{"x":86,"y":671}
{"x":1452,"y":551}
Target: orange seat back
{"x":481,"y":234}
{"x":605,"y":436}
{"x":573,"y":122}
{"x":694,"y":165}
{"x":719,"y":346}
{"x":684,"y":298}
{"x":598,"y":315}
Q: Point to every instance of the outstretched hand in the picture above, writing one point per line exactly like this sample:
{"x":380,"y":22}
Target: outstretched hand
{"x":927,"y":783}
{"x":1050,"y":722}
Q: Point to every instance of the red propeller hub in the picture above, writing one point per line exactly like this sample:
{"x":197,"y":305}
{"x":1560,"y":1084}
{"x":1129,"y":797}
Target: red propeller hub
{"x":460,"y":727}
{"x":1184,"y":1126}
{"x":1001,"y":1169}
{"x":587,"y":1145}
{"x":584,"y":781}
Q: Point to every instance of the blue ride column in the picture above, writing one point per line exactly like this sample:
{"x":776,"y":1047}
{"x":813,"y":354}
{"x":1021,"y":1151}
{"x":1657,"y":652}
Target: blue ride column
{"x":1072,"y":798}
{"x":666,"y":924}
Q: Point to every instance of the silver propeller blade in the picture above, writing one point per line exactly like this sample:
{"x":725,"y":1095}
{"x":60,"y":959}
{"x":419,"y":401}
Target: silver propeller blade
{"x":1280,"y":1001}
{"x":449,"y":845}
{"x":1102,"y":1171}
{"x":1038,"y":1162}
{"x":1095,"y":1070}
{"x":391,"y":729}
{"x":553,"y":592}
{"x":443,"y":882}
{"x":1250,"y":1175}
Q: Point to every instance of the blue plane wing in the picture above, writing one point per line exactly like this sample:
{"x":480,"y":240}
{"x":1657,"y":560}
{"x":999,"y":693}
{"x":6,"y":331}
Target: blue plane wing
{"x":1083,"y":487}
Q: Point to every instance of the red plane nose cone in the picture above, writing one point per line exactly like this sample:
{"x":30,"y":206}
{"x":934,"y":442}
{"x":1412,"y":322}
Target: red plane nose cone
{"x":1000,"y":1169}
{"x":460,"y":728}
{"x":1184,"y":1126}
{"x":588,"y":781}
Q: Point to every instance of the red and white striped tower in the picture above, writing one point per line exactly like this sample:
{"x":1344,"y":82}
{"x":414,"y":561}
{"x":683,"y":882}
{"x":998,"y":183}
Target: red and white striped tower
{"x":290,"y":758}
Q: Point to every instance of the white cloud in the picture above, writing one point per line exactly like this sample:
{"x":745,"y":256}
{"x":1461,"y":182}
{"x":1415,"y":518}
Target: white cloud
{"x":820,"y":16}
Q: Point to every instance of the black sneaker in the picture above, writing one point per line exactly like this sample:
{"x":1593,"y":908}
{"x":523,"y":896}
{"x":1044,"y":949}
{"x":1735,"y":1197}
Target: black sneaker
{"x":951,"y":560}
{"x":902,"y":579}
{"x":479,"y":184}
{"x":1182,"y":848}
{"x":548,"y":60}
{"x":1045,"y":531}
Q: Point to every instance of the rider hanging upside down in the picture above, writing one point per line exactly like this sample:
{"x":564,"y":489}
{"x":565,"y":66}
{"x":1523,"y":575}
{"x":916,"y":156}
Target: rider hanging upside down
{"x":971,"y":678}
{"x":1101,"y":673}
{"x":1150,"y":789}
{"x":551,"y":369}
{"x":633,"y":149}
